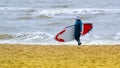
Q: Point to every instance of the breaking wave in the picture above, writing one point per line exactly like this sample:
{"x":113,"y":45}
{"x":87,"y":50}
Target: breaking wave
{"x":44,"y":38}
{"x":48,"y":12}
{"x":77,"y":11}
{"x":37,"y":37}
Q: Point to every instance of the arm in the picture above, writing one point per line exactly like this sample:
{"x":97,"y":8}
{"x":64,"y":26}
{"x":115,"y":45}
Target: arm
{"x":80,"y":26}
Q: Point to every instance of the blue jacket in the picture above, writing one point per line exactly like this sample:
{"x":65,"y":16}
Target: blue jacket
{"x":78,"y":29}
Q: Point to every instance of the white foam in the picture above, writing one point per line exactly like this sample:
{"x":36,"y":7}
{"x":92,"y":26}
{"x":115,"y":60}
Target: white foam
{"x":52,"y":12}
{"x":118,"y":33}
{"x":77,"y":11}
{"x":35,"y":37}
{"x":14,"y":8}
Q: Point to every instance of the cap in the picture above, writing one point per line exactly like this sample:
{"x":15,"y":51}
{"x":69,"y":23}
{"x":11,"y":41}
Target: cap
{"x":77,"y":17}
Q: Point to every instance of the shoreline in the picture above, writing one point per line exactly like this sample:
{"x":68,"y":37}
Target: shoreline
{"x":59,"y":44}
{"x":63,"y":56}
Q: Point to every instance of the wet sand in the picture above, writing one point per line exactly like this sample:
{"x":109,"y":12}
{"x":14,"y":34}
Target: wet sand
{"x":59,"y":56}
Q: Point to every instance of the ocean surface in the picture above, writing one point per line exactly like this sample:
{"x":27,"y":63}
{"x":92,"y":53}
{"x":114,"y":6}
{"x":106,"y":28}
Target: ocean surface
{"x":38,"y":21}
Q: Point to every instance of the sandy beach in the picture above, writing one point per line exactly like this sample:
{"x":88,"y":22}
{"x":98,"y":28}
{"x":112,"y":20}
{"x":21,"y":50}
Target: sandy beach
{"x":60,"y":56}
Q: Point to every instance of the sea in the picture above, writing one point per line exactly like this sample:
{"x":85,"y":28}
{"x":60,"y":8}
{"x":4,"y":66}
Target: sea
{"x":38,"y":21}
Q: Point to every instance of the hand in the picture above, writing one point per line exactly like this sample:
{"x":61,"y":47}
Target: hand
{"x":80,"y":32}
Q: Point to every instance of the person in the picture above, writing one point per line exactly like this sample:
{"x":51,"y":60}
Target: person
{"x":78,"y":30}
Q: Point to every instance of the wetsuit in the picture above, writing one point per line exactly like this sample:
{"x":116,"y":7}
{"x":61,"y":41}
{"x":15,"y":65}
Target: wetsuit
{"x":78,"y":30}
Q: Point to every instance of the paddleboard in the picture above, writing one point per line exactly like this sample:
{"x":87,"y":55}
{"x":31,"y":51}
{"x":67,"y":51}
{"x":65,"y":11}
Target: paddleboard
{"x":67,"y":34}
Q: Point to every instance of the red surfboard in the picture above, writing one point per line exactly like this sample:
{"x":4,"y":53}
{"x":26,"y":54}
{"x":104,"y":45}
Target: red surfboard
{"x":86,"y":28}
{"x":67,"y":34}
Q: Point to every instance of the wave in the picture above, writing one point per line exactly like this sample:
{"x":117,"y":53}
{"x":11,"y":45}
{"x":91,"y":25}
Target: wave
{"x":78,"y":11}
{"x":44,"y":38}
{"x":5,"y":36}
{"x":14,"y":8}
{"x":36,"y":37}
{"x":48,"y":12}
